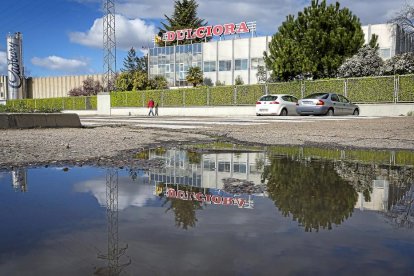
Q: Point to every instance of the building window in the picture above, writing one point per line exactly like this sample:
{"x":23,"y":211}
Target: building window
{"x":209,"y":66}
{"x":209,"y":165}
{"x":224,"y":166}
{"x":255,"y":62}
{"x":225,"y":65}
{"x":239,"y":167}
{"x":240,"y":64}
{"x":385,"y":53}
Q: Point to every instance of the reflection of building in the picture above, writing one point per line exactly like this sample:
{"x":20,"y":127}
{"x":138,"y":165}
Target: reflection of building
{"x":19,"y":179}
{"x":378,"y":200}
{"x":379,"y":187}
{"x":209,"y":170}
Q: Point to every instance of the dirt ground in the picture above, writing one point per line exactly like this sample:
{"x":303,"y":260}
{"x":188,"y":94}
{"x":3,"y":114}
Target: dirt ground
{"x":40,"y":146}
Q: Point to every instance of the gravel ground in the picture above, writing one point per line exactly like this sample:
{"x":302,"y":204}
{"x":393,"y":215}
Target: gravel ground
{"x":106,"y":144}
{"x":380,"y":133}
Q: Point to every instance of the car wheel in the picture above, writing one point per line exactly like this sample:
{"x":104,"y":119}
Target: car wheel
{"x":283,"y":112}
{"x":356,"y":112}
{"x":330,"y":112}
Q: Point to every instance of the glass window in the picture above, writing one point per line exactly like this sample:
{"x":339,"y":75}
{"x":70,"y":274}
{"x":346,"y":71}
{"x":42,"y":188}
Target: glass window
{"x":209,"y":165}
{"x":334,"y":98}
{"x":255,"y":62}
{"x":225,"y":65}
{"x":224,"y":166}
{"x":239,"y":167}
{"x":240,"y":64}
{"x":343,"y":99}
{"x":209,"y":66}
{"x":385,"y":53}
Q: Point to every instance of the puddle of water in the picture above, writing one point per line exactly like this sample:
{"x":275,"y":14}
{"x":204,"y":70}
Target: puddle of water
{"x":290,"y":210}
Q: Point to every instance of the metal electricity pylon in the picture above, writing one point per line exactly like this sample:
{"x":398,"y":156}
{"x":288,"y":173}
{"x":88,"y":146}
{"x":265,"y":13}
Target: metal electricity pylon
{"x":109,"y":45}
{"x":114,"y":267}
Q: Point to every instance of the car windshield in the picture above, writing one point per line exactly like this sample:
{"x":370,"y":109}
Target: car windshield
{"x":317,"y":96}
{"x":268,"y":98}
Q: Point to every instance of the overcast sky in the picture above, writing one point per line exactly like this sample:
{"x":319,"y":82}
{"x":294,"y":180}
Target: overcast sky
{"x":64,"y":37}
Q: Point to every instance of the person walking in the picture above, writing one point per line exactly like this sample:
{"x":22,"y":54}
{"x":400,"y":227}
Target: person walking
{"x":156,"y":109}
{"x":151,"y":107}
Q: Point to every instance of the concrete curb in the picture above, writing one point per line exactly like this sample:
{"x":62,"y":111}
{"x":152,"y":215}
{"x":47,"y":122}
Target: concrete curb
{"x":39,"y":120}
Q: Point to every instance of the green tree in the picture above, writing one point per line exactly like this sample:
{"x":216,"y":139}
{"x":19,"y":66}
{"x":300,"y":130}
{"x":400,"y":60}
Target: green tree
{"x":184,"y":17}
{"x":312,"y":193}
{"x":315,"y":43}
{"x":194,"y":75}
{"x":373,"y":42}
{"x":158,"y":82}
{"x":124,"y":81}
{"x":238,"y":80}
{"x":133,"y":63}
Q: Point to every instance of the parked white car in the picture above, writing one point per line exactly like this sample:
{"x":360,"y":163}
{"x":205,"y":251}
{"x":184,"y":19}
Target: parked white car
{"x":278,"y":104}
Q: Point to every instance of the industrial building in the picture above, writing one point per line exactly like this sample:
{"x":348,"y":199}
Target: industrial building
{"x":222,"y":61}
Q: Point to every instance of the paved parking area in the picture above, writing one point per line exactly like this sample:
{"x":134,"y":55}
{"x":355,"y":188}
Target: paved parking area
{"x":208,"y":122}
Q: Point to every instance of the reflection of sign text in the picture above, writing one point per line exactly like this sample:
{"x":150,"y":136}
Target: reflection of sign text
{"x":206,"y":198}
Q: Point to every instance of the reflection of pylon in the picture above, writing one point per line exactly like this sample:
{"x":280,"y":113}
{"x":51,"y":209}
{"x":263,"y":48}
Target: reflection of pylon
{"x":114,"y":252}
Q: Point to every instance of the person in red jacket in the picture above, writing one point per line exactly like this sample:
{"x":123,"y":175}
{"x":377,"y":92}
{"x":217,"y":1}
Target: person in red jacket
{"x":151,"y":107}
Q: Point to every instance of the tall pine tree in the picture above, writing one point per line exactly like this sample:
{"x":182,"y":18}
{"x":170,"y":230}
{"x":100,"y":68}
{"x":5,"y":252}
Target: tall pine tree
{"x":132,"y":63}
{"x":184,"y":17}
{"x":315,"y":43}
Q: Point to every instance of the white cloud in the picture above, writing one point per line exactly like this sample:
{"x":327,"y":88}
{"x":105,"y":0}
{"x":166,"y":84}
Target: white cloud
{"x":129,"y":193}
{"x":3,"y":63}
{"x":269,"y":14}
{"x":129,"y":33}
{"x":61,"y":64}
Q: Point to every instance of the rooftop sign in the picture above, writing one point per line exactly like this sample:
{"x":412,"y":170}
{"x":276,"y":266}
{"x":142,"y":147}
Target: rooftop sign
{"x":209,"y":31}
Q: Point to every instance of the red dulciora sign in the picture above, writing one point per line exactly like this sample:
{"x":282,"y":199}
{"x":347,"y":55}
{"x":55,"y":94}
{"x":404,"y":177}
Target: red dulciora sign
{"x":207,"y":31}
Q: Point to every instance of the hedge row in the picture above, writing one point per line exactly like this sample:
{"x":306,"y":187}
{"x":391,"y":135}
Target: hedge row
{"x":67,"y":103}
{"x":360,"y":90}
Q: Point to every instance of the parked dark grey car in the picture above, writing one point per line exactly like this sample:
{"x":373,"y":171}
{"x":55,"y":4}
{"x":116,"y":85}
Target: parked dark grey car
{"x":326,"y":104}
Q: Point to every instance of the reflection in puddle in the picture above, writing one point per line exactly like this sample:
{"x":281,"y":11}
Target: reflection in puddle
{"x":264,"y":203}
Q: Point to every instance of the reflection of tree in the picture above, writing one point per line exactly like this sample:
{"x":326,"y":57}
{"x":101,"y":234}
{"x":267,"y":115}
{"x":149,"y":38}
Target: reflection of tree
{"x":259,"y":163}
{"x":312,"y":193}
{"x":184,"y":210}
{"x":194,"y":157}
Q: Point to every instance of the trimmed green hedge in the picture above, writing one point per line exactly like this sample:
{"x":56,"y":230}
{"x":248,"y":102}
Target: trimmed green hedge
{"x":371,"y":90}
{"x":406,"y":89}
{"x":292,"y":88}
{"x":196,"y":96}
{"x":222,"y":95}
{"x":332,"y":86}
{"x":67,"y":103}
{"x":173,"y":97}
{"x":126,"y":99}
{"x":249,"y":94}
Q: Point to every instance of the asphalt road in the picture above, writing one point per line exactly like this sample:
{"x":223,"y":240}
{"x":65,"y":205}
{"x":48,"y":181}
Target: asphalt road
{"x":209,"y":122}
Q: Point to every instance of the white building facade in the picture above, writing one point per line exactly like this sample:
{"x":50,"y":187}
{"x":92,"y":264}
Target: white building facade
{"x":227,"y":59}
{"x":392,"y":39}
{"x":221,"y":61}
